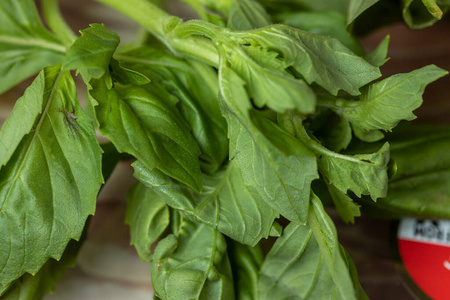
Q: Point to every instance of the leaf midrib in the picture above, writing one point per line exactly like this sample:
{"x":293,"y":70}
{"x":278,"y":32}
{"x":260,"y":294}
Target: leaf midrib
{"x":32,"y":43}
{"x":36,"y":133}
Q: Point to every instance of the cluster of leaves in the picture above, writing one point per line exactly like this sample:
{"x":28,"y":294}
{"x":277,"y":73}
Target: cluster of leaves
{"x":235,"y":124}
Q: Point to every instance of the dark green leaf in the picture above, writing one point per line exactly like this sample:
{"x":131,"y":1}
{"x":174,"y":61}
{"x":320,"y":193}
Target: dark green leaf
{"x":277,"y":89}
{"x":224,"y":203}
{"x":50,"y":174}
{"x":359,"y":291}
{"x":246,"y":262}
{"x":195,"y":86}
{"x":385,"y":103}
{"x":25,"y":45}
{"x":345,"y":206}
{"x":92,"y":52}
{"x":192,"y":265}
{"x":149,"y":128}
{"x":306,"y":262}
{"x":126,"y":76}
{"x":356,"y":7}
{"x":336,"y":135}
{"x":273,"y":164}
{"x":420,"y":186}
{"x":148,"y":217}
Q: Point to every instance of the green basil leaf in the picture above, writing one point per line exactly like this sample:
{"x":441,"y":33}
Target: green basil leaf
{"x":50,"y":174}
{"x":268,"y":157}
{"x":357,"y":7}
{"x":149,"y":128}
{"x":385,"y":103}
{"x":420,"y":186}
{"x":277,"y":89}
{"x":319,"y":59}
{"x":148,"y":217}
{"x":26,"y":46}
{"x":336,"y":135}
{"x":195,"y":86}
{"x":92,"y":52}
{"x":246,"y":262}
{"x":224,"y":203}
{"x":213,"y":11}
{"x":359,"y":291}
{"x":325,"y":23}
{"x":192,"y":265}
{"x":246,"y":15}
{"x":345,"y":206}
{"x":29,"y":287}
{"x":306,"y":262}
{"x":126,"y":76}
{"x":363,"y":174}
{"x":378,"y":57}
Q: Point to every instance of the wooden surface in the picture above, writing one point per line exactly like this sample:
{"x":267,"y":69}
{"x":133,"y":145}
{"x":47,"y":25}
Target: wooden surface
{"x":110,"y":269}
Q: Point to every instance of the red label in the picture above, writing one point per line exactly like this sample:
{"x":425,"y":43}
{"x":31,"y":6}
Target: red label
{"x":425,"y":252}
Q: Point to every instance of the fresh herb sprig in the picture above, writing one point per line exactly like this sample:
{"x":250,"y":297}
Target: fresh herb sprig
{"x":235,"y":123}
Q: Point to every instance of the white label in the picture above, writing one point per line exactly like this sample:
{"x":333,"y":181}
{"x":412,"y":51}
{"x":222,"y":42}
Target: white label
{"x":428,"y":231}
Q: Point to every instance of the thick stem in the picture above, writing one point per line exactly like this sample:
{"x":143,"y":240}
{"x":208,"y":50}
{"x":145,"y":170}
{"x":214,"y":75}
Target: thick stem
{"x":56,"y":22}
{"x":160,"y":24}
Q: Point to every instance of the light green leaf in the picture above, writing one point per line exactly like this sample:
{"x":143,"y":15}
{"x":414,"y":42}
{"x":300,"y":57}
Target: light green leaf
{"x":277,"y":89}
{"x":319,"y":59}
{"x":149,"y":128}
{"x":192,"y":265}
{"x":148,"y":217}
{"x":50,"y":174}
{"x":306,"y":262}
{"x":92,"y":52}
{"x":213,"y":11}
{"x":30,"y":287}
{"x":385,"y":103}
{"x":25,"y":45}
{"x":317,"y":5}
{"x":224,"y":203}
{"x":345,"y":206}
{"x":357,"y":7}
{"x":246,"y":262}
{"x":363,"y":174}
{"x":126,"y":76}
{"x":195,"y":86}
{"x":367,"y":135}
{"x":378,"y":57}
{"x":273,"y":164}
{"x":326,"y":23}
{"x":246,"y":15}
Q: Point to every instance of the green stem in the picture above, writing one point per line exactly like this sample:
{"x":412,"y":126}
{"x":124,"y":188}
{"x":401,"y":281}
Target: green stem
{"x":336,"y":104}
{"x":316,"y":147}
{"x":56,"y":22}
{"x":433,"y":8}
{"x":160,"y":24}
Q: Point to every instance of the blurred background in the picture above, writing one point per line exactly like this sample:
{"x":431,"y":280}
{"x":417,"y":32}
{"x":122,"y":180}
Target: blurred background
{"x":108,"y":268}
